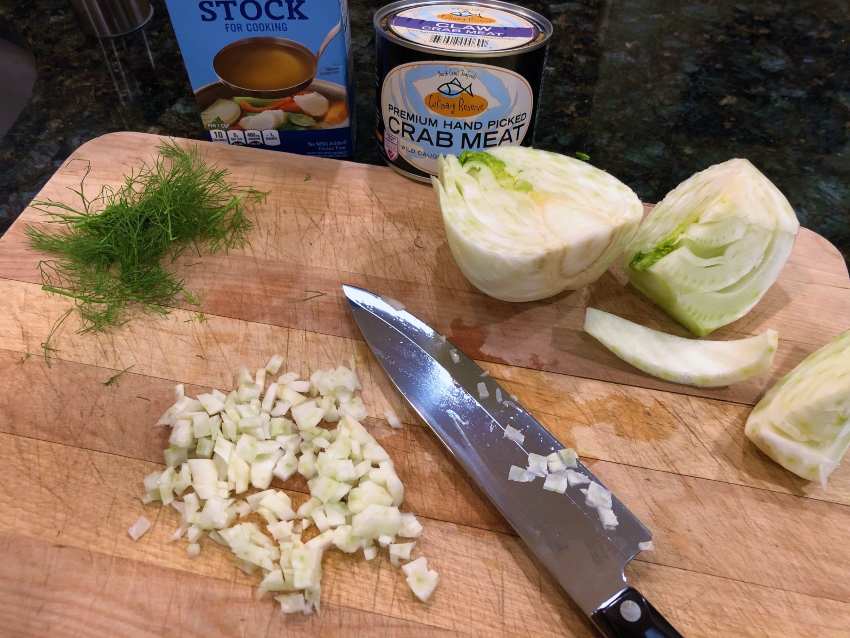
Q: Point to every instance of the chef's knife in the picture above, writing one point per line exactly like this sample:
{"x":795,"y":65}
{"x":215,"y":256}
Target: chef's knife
{"x":566,"y":535}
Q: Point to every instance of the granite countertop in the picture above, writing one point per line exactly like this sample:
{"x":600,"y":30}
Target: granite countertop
{"x":653,"y":91}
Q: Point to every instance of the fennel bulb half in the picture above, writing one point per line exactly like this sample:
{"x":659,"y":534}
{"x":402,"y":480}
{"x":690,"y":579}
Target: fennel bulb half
{"x":524,"y":224}
{"x":714,"y":245}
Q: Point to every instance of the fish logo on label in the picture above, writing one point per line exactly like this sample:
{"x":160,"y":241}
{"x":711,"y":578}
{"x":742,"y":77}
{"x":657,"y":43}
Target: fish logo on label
{"x":454,"y":88}
{"x":466,"y":17}
{"x":456,"y":99}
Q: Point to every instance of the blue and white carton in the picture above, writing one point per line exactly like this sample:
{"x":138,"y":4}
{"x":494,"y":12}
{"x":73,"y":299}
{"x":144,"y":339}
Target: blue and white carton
{"x":274,"y":74}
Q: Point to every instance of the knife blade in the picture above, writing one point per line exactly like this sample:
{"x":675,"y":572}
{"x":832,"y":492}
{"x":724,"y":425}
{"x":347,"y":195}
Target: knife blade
{"x":566,"y":535}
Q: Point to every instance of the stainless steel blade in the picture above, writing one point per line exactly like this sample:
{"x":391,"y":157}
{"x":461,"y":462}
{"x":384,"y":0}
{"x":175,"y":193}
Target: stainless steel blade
{"x":441,"y":384}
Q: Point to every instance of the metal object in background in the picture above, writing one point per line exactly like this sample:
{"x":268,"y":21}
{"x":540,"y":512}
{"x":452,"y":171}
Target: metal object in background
{"x":119,"y":28}
{"x":113,"y":18}
{"x":565,"y":534}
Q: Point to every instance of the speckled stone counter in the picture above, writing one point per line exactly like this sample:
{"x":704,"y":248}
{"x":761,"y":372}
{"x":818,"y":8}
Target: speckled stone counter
{"x":652,"y":90}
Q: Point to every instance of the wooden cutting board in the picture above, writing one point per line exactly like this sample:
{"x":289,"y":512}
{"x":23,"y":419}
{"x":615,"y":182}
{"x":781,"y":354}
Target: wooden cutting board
{"x":743,"y":548}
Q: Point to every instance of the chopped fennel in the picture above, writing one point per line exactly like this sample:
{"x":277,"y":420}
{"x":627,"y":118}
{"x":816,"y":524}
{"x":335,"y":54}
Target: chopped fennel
{"x":597,"y":496}
{"x":600,"y":499}
{"x":483,"y":392}
{"x":607,"y":518}
{"x":556,"y":482}
{"x":274,"y":364}
{"x":695,"y":362}
{"x":211,"y":403}
{"x":392,"y":418}
{"x":577,"y":478}
{"x":419,"y":564}
{"x":557,"y":471}
{"x":568,"y":456}
{"x":562,"y":459}
{"x":293,"y":604}
{"x":410,"y":527}
{"x":139,"y":528}
{"x":538,"y":465}
{"x":421,"y":580}
{"x":300,"y":386}
{"x":520,"y":474}
{"x":224,"y":445}
{"x":514,"y":435}
{"x":399,"y":552}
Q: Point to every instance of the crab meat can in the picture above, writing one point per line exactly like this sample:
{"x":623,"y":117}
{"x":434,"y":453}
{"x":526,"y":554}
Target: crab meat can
{"x":455,"y":77}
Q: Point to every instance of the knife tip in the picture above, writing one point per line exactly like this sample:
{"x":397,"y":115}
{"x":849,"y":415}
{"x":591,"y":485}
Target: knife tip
{"x":359,"y":297}
{"x":350,"y":291}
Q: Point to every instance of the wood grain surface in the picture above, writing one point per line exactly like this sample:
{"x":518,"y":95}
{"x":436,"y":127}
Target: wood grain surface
{"x":743,"y":548}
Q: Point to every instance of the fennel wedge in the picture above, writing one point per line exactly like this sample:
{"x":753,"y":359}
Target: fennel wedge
{"x":705,"y":364}
{"x":803,"y":422}
{"x":713,"y":246}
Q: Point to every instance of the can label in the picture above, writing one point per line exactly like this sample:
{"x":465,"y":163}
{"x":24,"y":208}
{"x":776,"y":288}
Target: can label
{"x":461,"y":27}
{"x":431,"y":109}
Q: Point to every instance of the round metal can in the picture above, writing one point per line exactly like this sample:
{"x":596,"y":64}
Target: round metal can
{"x":455,"y":77}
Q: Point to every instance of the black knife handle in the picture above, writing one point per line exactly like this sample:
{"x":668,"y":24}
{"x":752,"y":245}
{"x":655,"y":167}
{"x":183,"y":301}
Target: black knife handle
{"x":630,"y":615}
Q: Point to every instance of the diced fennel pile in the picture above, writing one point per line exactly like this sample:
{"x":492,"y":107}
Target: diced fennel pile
{"x":714,"y":245}
{"x":803,"y":422}
{"x":226,"y":452}
{"x":526,"y":224}
{"x":706,"y":364}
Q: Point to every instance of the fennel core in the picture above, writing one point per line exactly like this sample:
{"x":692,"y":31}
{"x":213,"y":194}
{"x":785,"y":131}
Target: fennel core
{"x":499,"y":169}
{"x":645,"y":260}
{"x":109,"y":261}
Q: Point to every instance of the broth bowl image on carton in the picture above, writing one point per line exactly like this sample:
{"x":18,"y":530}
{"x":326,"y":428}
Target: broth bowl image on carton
{"x":270,"y":73}
{"x":455,"y":77}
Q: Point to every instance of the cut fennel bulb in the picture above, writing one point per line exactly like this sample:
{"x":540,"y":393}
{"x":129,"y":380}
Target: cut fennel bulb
{"x":247,"y":442}
{"x":711,"y":249}
{"x":803,"y":422}
{"x":706,"y":364}
{"x":525,"y":224}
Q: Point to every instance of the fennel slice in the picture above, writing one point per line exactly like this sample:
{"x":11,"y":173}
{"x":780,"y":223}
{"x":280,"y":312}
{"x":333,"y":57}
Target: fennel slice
{"x":705,"y":364}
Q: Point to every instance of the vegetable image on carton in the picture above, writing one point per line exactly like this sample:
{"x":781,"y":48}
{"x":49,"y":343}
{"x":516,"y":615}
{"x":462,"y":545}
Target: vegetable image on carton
{"x":273,"y":74}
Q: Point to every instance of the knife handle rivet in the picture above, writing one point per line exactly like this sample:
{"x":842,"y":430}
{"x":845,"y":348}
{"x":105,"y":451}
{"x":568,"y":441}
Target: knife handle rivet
{"x":630,"y":611}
